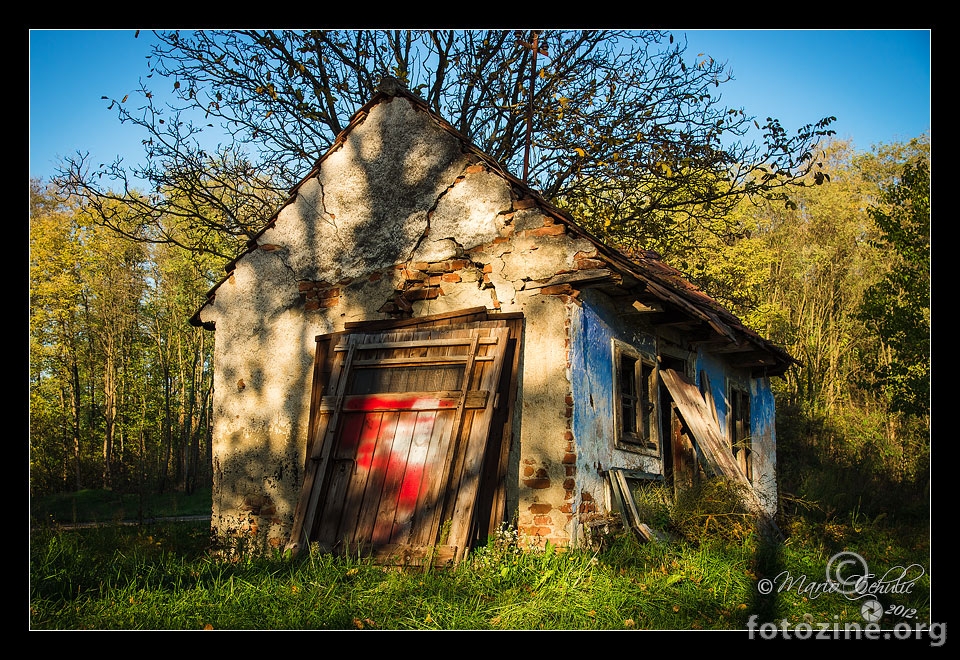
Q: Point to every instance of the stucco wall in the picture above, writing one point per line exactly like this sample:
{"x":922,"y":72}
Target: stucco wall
{"x":399,"y":219}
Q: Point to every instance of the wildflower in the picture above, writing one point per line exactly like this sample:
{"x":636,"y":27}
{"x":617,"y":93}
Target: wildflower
{"x":629,"y":623}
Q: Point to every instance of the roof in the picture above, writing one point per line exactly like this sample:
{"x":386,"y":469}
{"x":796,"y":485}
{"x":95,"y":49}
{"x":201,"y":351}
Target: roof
{"x":642,"y":278}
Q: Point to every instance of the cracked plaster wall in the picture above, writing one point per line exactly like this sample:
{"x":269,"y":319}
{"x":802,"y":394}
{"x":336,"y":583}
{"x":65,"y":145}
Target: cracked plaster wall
{"x":398,"y":219}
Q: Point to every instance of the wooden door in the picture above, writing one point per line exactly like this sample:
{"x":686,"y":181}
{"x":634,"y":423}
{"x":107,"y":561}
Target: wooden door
{"x":686,"y":468}
{"x":708,"y":441}
{"x":395,"y":468}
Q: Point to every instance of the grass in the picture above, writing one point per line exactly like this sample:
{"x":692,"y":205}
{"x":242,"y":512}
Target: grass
{"x":163,"y":577}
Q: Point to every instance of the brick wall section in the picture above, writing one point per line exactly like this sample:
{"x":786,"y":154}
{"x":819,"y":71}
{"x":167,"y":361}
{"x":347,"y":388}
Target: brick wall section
{"x":423,"y":281}
{"x":319,"y":295}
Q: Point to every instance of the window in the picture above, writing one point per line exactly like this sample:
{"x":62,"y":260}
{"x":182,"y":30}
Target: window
{"x":740,"y":429}
{"x":635,"y":400}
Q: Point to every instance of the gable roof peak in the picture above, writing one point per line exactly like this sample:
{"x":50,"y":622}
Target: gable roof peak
{"x":390,"y":86}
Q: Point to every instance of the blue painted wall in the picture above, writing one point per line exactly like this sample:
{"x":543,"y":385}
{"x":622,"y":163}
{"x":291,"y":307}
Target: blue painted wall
{"x":594,"y":326}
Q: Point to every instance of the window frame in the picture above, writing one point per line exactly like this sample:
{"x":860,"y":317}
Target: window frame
{"x":740,"y":427}
{"x":636,"y":429}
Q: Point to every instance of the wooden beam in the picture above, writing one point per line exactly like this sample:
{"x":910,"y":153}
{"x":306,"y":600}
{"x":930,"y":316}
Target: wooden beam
{"x":579,"y":277}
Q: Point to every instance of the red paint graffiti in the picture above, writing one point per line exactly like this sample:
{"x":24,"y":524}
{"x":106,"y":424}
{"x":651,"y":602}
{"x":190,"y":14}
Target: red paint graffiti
{"x":368,"y":403}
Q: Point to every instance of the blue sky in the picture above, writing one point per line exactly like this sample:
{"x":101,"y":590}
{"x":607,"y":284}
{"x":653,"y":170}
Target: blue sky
{"x":875,"y":82}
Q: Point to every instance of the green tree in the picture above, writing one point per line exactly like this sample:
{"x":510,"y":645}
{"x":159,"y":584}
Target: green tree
{"x":58,"y":345}
{"x":120,"y":383}
{"x":626,"y":127}
{"x":897,"y":309}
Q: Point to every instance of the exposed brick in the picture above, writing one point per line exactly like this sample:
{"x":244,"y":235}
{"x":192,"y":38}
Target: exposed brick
{"x":540,"y":508}
{"x":421,"y":293}
{"x":270,"y":247}
{"x":329,"y":293}
{"x":532,"y":531}
{"x":311,"y":305}
{"x":548,"y":230}
{"x":376,"y":276}
{"x":553,"y":289}
{"x":569,"y":484}
{"x":525,"y":203}
{"x":569,"y":458}
{"x":542,"y":520}
{"x":537,"y":483}
{"x":475,"y":169}
{"x":451,"y":277}
{"x":487,"y":268}
{"x":304,"y":286}
{"x":589,"y":263}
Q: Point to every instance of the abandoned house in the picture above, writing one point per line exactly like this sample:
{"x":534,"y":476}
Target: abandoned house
{"x":417,"y":349}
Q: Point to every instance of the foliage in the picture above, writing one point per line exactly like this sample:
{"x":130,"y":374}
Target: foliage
{"x":804,"y":278}
{"x":119,"y":382}
{"x":897,"y":308}
{"x":107,"y":506}
{"x":627,"y":128}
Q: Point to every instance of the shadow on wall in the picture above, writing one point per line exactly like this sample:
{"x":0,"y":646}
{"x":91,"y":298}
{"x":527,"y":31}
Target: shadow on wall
{"x":367,"y":212}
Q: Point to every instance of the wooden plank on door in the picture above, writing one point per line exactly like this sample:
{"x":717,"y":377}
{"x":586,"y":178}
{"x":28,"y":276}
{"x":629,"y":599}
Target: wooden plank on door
{"x":317,"y":453}
{"x":475,"y":447}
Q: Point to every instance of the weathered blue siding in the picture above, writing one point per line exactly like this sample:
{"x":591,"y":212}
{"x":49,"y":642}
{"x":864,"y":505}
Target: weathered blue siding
{"x":592,"y":330}
{"x":594,"y":326}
